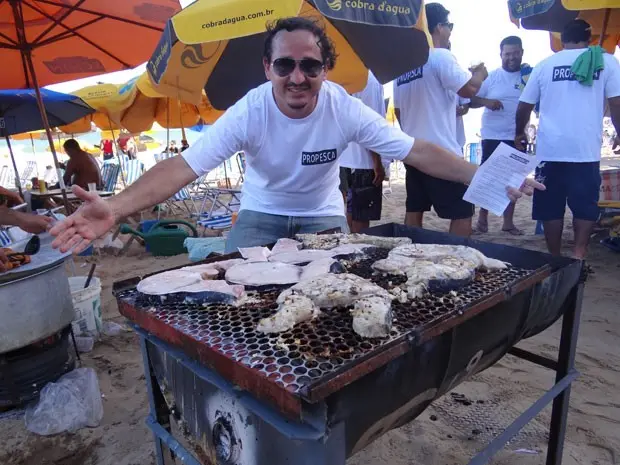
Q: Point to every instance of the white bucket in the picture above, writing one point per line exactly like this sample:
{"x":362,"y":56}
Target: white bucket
{"x":87,"y":305}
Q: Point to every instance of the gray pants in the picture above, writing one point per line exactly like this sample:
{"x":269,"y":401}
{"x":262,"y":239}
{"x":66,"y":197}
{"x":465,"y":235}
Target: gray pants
{"x":255,"y":228}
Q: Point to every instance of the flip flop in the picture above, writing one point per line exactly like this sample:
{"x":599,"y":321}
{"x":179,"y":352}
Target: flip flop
{"x":514,"y":231}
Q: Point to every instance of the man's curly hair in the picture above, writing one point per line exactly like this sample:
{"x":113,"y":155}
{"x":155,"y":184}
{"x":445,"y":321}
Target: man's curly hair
{"x":296,"y":23}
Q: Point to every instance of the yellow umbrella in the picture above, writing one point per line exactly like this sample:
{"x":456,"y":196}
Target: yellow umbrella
{"x":217,"y":44}
{"x":101,"y":97}
{"x":143,"y":105}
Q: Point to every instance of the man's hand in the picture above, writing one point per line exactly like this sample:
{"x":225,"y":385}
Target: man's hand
{"x":3,"y":261}
{"x":493,"y":105}
{"x":34,"y":224}
{"x":527,"y":188}
{"x":480,"y":71}
{"x":379,"y":174}
{"x":521,"y":142}
{"x":93,"y":219}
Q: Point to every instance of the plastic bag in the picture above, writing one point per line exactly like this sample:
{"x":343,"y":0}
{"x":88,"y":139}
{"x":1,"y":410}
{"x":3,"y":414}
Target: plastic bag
{"x":200,"y":247}
{"x":71,"y":403}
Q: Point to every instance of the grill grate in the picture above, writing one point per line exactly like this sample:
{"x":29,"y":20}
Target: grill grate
{"x":313,"y":350}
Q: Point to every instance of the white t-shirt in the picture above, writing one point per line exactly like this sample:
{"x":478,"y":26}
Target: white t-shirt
{"x":292,"y":165}
{"x":427,"y":99}
{"x":571,"y":114}
{"x":354,"y":155}
{"x":503,"y":86}
{"x":460,"y":124}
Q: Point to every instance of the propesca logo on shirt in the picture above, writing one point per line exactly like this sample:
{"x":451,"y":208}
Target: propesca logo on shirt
{"x":564,"y":73}
{"x":318,"y":158}
{"x":410,"y":76}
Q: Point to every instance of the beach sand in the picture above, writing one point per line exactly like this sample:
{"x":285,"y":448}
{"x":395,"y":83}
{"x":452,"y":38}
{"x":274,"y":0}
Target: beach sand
{"x":446,"y":433}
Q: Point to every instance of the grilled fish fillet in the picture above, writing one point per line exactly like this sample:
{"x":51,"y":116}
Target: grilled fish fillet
{"x":435,"y":252}
{"x":330,"y":241}
{"x":372,"y":316}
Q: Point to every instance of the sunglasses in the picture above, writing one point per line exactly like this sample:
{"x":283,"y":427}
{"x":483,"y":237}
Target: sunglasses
{"x":308,"y":66}
{"x":448,"y":25}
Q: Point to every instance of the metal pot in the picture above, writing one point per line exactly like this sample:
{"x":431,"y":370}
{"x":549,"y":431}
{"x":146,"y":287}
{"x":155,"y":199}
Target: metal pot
{"x":34,"y":306}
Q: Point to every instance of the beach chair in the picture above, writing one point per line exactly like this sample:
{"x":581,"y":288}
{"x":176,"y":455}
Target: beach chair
{"x":5,"y":239}
{"x":7,"y":177}
{"x":133,"y":170}
{"x":28,"y":171}
{"x":109,"y":176}
{"x":183,"y":197}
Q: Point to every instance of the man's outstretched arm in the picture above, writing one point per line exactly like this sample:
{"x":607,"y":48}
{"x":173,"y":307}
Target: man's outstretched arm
{"x":96,"y":216}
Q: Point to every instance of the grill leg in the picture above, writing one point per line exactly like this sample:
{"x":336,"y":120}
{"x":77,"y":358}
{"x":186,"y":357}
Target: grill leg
{"x":155,"y":404}
{"x":566,"y":363}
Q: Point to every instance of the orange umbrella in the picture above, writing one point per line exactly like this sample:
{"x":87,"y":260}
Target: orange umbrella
{"x":45,"y":42}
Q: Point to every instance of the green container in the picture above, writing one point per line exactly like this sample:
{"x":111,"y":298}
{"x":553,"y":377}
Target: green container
{"x":165,"y":238}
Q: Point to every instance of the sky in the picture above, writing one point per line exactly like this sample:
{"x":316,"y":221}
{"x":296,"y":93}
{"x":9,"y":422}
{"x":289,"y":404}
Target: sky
{"x":479,"y":27}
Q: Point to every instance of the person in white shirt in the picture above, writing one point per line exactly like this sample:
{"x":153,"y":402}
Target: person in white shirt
{"x":425,"y":100}
{"x":362,"y":171}
{"x":569,"y":136}
{"x":292,"y":130}
{"x":499,"y":95}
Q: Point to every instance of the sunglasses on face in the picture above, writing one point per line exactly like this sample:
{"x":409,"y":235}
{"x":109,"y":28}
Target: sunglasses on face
{"x":308,"y":66}
{"x":448,"y":25}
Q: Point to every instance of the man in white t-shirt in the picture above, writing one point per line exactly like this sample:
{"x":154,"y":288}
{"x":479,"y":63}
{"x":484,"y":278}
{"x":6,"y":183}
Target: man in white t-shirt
{"x":499,"y":95}
{"x":569,"y":136}
{"x":292,"y":130}
{"x":362,"y":171}
{"x":425,"y":100}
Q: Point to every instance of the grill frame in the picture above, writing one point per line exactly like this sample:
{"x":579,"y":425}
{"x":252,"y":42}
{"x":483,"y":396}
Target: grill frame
{"x":291,"y":403}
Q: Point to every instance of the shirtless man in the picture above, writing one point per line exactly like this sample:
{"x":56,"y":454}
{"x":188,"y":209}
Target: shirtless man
{"x":82,"y":167}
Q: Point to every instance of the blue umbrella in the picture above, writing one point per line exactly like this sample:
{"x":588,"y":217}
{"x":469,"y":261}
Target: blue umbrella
{"x":19,"y":112}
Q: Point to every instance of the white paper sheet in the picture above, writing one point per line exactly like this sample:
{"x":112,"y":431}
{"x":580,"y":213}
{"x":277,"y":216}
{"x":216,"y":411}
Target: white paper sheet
{"x":505,"y":167}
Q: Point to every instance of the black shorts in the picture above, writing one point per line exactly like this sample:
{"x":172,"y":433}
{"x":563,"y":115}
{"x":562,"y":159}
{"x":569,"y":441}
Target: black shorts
{"x":489,"y":146}
{"x":446,"y":197}
{"x":577,"y":184}
{"x":364,"y":199}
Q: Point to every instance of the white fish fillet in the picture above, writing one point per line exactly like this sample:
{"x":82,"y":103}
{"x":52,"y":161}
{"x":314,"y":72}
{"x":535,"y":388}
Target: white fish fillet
{"x":300,"y":256}
{"x":349,"y":249}
{"x":286,"y":245}
{"x":263,"y":273}
{"x":317,"y":268}
{"x":207,"y":271}
{"x":225,"y":264}
{"x":219,"y":285}
{"x":167,"y":282}
{"x":437,"y":251}
{"x":372,"y":304}
{"x":255,"y":254}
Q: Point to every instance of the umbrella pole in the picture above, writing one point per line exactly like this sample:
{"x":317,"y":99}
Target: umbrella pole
{"x":17,"y":180}
{"x":601,"y":39}
{"x":118,"y":152}
{"x":48,"y":132}
{"x":168,"y":126}
{"x":34,"y":152}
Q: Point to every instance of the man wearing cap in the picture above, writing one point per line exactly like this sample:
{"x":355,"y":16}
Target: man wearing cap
{"x":572,"y":87}
{"x":425,"y":100}
{"x":292,"y":130}
{"x":499,"y":95}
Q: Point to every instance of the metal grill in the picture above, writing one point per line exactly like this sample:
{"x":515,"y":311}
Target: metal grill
{"x":312,"y":352}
